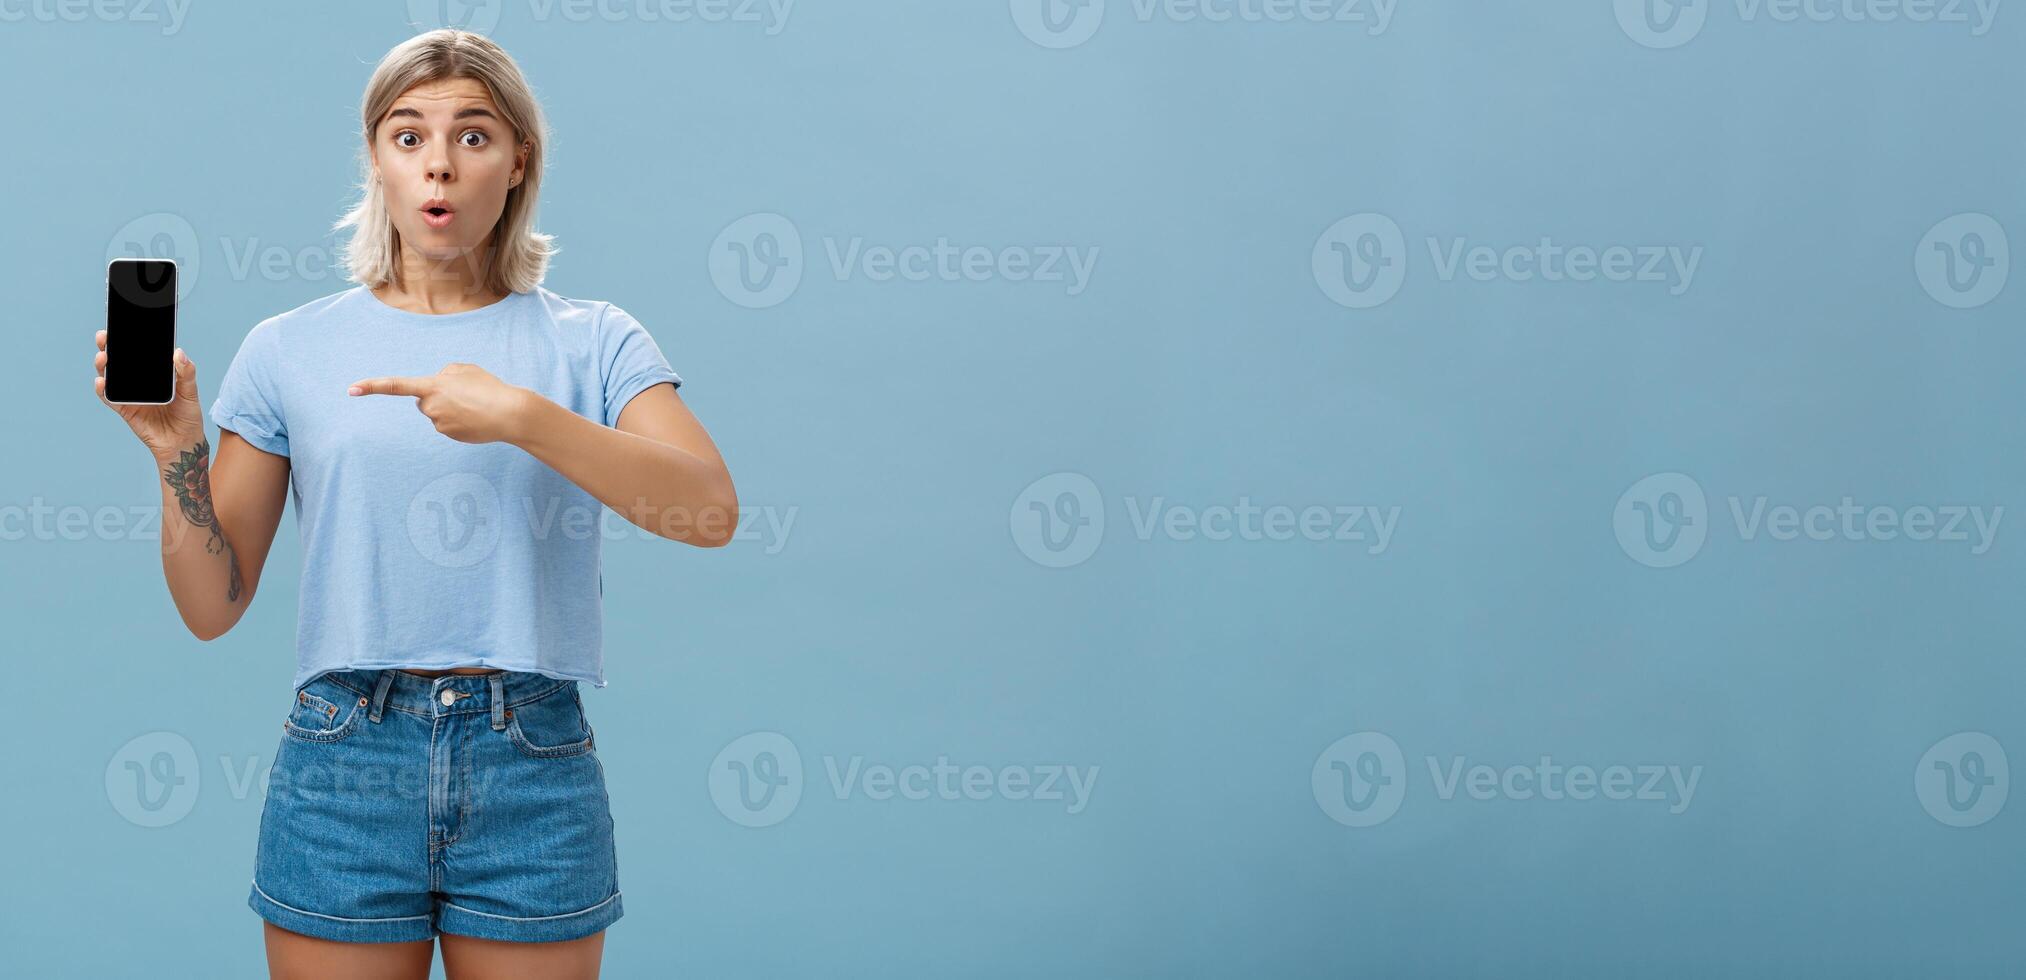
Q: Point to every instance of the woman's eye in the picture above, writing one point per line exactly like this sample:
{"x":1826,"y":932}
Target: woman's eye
{"x":471,"y":133}
{"x":404,"y":136}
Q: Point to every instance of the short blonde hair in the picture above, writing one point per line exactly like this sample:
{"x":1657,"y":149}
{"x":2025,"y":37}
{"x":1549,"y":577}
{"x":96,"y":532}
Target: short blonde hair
{"x":519,"y":254}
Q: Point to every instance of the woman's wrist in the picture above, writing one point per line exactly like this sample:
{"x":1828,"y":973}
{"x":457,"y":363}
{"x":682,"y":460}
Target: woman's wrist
{"x":527,"y":417}
{"x":170,"y":457}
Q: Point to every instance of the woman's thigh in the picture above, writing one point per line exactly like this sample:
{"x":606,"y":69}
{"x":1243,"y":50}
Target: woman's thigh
{"x":467,"y":958}
{"x":294,"y":956}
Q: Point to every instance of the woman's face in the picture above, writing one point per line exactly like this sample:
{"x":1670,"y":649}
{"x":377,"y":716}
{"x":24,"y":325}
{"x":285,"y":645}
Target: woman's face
{"x":445,"y":157}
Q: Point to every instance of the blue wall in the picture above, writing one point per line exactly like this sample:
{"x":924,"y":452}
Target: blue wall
{"x":1469,"y":490}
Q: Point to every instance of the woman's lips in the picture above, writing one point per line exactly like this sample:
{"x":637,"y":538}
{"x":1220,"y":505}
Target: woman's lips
{"x":438,"y":220}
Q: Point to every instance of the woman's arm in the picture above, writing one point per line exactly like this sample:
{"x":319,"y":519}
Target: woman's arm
{"x":218,"y":521}
{"x":655,"y":465}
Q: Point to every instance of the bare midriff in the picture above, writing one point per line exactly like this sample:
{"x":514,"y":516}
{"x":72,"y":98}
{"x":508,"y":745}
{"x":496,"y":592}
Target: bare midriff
{"x":453,"y":670}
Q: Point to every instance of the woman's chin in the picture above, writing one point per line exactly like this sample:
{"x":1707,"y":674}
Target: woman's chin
{"x":438,"y":246}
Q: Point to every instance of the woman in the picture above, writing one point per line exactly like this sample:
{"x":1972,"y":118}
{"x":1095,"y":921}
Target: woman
{"x":450,"y":431}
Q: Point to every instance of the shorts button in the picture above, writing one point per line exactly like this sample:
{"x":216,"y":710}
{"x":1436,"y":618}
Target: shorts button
{"x":448,"y":697}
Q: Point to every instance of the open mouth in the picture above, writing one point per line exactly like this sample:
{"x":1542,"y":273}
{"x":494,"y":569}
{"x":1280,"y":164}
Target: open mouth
{"x":437,"y":213}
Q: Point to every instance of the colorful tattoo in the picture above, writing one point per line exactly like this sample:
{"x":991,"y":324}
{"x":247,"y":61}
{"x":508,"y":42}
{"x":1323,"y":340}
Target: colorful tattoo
{"x":190,"y":475}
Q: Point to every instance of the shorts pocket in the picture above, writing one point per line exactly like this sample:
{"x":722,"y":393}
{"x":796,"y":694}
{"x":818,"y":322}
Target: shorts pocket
{"x":319,"y":714}
{"x":552,"y":726}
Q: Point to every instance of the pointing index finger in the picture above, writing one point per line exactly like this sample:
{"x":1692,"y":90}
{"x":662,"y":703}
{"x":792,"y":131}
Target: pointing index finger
{"x":391,"y":386}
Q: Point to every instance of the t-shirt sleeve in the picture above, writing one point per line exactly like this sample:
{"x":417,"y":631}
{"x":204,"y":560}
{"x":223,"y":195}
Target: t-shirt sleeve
{"x":249,"y":398}
{"x":631,"y":360}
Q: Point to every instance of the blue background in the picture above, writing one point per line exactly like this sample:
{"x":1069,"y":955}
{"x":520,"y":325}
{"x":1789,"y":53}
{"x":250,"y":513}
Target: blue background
{"x":899,"y":422}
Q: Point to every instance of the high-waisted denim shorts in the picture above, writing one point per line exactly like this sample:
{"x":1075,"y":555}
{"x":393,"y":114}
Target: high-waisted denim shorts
{"x":400,"y":806}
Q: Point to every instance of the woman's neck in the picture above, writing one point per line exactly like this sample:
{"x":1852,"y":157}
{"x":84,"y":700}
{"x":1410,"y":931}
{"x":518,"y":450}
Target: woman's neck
{"x":436,"y":287}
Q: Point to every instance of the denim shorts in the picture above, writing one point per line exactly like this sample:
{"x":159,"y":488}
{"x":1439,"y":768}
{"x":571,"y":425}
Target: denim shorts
{"x":400,"y":806}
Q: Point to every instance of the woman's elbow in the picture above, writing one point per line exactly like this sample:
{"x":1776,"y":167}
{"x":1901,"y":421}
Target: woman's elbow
{"x":720,"y":532}
{"x":712,"y":524}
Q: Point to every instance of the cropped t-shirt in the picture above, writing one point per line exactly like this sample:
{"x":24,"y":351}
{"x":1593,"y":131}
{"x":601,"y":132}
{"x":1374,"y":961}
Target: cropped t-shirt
{"x":419,"y":550}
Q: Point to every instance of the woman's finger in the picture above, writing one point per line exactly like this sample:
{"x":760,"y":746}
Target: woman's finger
{"x":416,"y":385}
{"x":186,"y":376}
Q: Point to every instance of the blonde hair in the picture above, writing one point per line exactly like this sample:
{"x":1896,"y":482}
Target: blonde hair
{"x":519,"y":255}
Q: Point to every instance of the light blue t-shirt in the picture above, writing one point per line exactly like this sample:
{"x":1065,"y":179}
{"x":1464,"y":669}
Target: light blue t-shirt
{"x":419,"y":550}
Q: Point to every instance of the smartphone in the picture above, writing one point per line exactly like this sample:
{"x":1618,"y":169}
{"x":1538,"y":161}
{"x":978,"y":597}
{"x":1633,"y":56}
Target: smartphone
{"x":141,"y":331}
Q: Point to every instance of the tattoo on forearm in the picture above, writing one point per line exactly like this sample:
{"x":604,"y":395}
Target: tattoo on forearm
{"x":190,"y":477}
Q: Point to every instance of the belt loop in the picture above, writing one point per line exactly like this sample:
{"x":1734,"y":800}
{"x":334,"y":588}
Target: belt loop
{"x":380,"y":694}
{"x":498,"y":679}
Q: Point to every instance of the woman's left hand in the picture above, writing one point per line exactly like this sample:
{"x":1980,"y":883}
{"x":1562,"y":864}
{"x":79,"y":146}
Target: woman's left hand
{"x":465,"y":401}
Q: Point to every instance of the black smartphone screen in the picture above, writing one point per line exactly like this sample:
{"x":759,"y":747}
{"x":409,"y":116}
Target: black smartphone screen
{"x":140,"y":331}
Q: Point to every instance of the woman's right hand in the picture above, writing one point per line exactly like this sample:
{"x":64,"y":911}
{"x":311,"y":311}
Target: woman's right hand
{"x":167,"y":430}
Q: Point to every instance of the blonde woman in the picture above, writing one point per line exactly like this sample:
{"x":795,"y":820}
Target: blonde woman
{"x":450,"y":431}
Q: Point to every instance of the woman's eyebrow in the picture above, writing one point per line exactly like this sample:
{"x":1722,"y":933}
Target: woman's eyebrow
{"x":466,"y":112}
